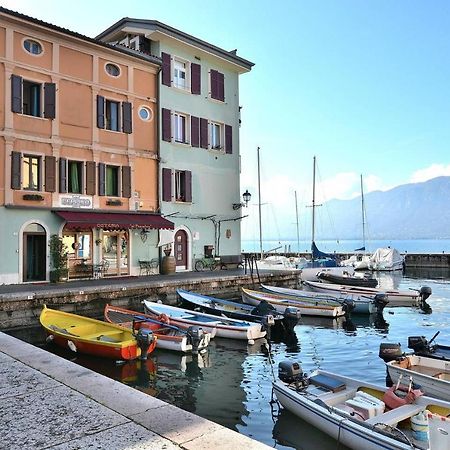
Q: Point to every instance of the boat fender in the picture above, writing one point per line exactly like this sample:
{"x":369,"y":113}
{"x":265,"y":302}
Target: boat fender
{"x":72,"y":346}
{"x":163,"y":318}
{"x":195,"y":336}
{"x":419,"y":426}
{"x":144,"y":339}
{"x":49,"y":338}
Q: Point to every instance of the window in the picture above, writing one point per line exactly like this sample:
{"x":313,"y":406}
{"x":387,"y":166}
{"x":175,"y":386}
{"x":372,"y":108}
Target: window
{"x":180,"y":74}
{"x":112,"y":181}
{"x":75,"y":177}
{"x":31,"y":172}
{"x":31,"y":95}
{"x":32,"y":47}
{"x":180,"y":128}
{"x":112,"y":69}
{"x":216,"y":136}
{"x":112,"y":115}
{"x":145,"y":113}
{"x":180,"y":186}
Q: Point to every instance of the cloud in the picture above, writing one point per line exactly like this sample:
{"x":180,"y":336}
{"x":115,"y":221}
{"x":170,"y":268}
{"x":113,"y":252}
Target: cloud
{"x":433,"y":171}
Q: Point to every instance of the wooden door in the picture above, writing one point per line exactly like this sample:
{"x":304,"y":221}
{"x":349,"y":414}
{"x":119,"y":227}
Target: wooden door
{"x":181,"y":249}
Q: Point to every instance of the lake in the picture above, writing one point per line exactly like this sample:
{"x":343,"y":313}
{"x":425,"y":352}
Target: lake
{"x":231,"y":383}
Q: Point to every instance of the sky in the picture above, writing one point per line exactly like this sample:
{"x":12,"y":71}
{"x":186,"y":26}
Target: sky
{"x":362,"y":85}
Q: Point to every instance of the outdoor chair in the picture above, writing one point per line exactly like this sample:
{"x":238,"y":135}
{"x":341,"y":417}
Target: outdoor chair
{"x":100,"y":269}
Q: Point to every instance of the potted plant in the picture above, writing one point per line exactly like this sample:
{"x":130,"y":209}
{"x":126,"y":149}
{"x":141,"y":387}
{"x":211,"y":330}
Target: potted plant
{"x":58,"y":258}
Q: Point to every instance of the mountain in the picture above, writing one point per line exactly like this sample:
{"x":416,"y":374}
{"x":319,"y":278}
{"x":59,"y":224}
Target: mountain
{"x":410,"y":211}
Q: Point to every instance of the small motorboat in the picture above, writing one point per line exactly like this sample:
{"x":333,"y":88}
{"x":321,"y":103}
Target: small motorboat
{"x":242,"y":311}
{"x":348,"y":279}
{"x":220,"y":326}
{"x":354,"y":303}
{"x":324,"y":308}
{"x":169,"y":337}
{"x":94,"y":337}
{"x":359,"y":414}
{"x":394,"y":297}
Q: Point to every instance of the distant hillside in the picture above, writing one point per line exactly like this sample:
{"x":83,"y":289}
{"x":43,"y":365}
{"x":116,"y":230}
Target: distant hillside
{"x":410,"y":211}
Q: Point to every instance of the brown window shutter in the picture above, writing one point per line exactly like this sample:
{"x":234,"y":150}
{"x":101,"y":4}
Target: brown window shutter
{"x":127,"y":123}
{"x":213,"y":82}
{"x":204,"y":133}
{"x":16,"y":164}
{"x":63,"y":175}
{"x":101,"y":179}
{"x":100,"y":111}
{"x":126,"y":181}
{"x":188,"y":186}
{"x":195,"y":79}
{"x":49,"y":100}
{"x":220,"y":87}
{"x":16,"y":94}
{"x":228,"y":139}
{"x":167,"y":185}
{"x":195,"y":131}
{"x":166,"y":69}
{"x":90,"y":178}
{"x":166,"y":125}
{"x":50,"y":174}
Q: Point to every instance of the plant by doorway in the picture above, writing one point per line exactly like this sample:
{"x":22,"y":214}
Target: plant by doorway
{"x":58,"y":259}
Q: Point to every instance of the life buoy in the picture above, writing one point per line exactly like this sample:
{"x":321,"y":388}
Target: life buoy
{"x":163,"y":318}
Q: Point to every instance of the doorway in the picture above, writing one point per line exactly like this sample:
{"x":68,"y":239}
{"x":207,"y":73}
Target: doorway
{"x":115,"y":252}
{"x":34,"y":253}
{"x":181,"y":249}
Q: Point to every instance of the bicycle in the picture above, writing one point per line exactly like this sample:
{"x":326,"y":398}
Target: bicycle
{"x":205,"y":263}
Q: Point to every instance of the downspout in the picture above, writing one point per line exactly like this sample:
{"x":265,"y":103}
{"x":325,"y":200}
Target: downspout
{"x":158,"y":156}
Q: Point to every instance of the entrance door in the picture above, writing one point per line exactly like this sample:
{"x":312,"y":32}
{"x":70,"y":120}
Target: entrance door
{"x":181,"y":249}
{"x":115,"y":251}
{"x":34,"y":253}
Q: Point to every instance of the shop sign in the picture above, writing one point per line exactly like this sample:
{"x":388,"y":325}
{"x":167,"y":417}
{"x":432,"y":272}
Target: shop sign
{"x":75,"y":201}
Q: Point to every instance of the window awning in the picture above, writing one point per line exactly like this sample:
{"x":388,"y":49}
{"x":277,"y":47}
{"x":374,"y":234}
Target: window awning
{"x":82,"y":220}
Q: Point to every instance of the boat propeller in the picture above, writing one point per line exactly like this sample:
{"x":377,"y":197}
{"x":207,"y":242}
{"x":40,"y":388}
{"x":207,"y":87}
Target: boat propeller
{"x":194,"y":335}
{"x":144,"y":338}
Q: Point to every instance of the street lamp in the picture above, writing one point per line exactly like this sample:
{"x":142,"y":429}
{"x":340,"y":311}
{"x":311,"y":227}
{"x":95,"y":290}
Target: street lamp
{"x":246,"y":196}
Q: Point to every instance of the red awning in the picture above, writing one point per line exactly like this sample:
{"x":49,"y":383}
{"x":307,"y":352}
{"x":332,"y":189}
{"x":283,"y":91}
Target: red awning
{"x":82,"y":220}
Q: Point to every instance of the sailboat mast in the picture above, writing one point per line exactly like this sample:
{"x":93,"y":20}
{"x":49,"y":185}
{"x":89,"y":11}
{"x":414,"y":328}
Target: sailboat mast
{"x":363,"y":216}
{"x":313,"y":200}
{"x":259,"y":206}
{"x":296,"y":215}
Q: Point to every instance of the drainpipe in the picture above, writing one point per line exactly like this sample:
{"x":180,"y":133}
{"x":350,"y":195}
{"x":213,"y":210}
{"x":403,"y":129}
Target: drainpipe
{"x":158,"y":151}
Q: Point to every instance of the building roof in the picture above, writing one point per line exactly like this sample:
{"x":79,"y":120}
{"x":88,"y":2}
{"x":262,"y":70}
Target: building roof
{"x":124,"y":50}
{"x":154,"y":25}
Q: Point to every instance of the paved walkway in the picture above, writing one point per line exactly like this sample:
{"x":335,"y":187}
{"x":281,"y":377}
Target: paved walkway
{"x":47,"y":402}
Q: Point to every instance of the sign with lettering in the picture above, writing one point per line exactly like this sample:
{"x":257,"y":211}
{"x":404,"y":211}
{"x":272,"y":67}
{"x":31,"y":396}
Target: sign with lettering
{"x":75,"y":201}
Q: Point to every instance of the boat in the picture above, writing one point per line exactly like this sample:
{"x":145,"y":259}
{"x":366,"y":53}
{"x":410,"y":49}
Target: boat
{"x":348,"y":279}
{"x":394,"y":297}
{"x":354,"y":303}
{"x":355,"y":413}
{"x":386,"y":259}
{"x":220,"y":326}
{"x":93,"y":337}
{"x":422,"y":347}
{"x":241,"y":311}
{"x":324,"y":308}
{"x":169,"y":337}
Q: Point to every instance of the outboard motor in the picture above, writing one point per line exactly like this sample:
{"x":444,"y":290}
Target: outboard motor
{"x":194,"y":335}
{"x":424,"y":293}
{"x":291,"y":317}
{"x":263,"y":309}
{"x":144,"y":339}
{"x":290,"y":372}
{"x":348,"y":305}
{"x":381,"y":300}
{"x":390,"y":352}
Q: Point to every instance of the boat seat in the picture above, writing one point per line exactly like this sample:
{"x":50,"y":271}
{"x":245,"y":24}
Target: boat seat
{"x":395,"y":415}
{"x":324,"y":381}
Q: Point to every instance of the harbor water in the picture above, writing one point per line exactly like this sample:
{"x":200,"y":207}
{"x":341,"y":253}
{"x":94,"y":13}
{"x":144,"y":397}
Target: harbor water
{"x":231,"y":383}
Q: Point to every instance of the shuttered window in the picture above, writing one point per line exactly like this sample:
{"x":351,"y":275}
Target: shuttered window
{"x":228,"y":139}
{"x":217,"y":80}
{"x":188,"y":186}
{"x":203,"y":133}
{"x":49,"y":100}
{"x":100,"y":111}
{"x":90,"y":178}
{"x":166,"y":70}
{"x":195,"y":78}
{"x":195,"y":131}
{"x":127,"y":125}
{"x":16,"y":165}
{"x":50,"y":174}
{"x":167,"y":185}
{"x":101,"y":179}
{"x":166,"y":125}
{"x":63,"y":175}
{"x":126,"y":181}
{"x":183,"y":186}
{"x":16,"y":94}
